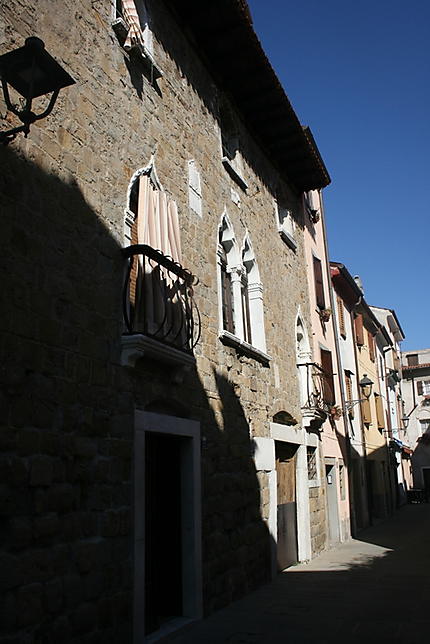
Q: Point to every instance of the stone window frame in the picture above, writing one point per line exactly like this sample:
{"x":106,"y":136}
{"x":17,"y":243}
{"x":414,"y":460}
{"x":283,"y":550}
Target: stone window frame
{"x":315,"y":481}
{"x":194,"y":188}
{"x":246,"y":285}
{"x":231,"y":156}
{"x":129,"y":214}
{"x":285,"y":223}
{"x":303,"y":357}
{"x":312,"y":205}
{"x":143,"y":50}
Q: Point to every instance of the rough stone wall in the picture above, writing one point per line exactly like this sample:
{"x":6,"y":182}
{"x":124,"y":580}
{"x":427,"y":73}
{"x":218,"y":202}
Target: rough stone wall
{"x":318,"y":517}
{"x":67,"y":439}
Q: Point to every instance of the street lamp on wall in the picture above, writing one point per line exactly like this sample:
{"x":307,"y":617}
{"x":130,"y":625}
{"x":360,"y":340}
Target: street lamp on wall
{"x":365,"y":385}
{"x":405,"y":421}
{"x":31,"y":72}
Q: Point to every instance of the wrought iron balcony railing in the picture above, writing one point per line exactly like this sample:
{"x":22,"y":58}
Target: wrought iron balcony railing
{"x":158,"y":299}
{"x":316,"y":388}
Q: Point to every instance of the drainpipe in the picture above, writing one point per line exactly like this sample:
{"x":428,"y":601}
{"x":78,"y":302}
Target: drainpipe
{"x":390,"y":427}
{"x":340,"y":371}
{"x":395,"y":502}
{"x":363,"y":436}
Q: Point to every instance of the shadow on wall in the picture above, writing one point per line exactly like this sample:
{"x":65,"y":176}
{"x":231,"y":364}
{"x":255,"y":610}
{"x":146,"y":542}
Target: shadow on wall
{"x":66,"y":434}
{"x":66,"y":439}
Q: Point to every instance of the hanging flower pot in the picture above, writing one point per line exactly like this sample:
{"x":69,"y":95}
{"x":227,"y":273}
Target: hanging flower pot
{"x":336,"y":412}
{"x":325,"y":315}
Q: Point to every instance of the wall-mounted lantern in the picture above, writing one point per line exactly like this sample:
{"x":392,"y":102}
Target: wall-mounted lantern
{"x":365,"y":385}
{"x":405,"y":421}
{"x":32,"y":72}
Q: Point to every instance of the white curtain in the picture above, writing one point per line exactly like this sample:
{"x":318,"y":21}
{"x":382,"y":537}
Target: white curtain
{"x":158,"y":302}
{"x":131,"y":16}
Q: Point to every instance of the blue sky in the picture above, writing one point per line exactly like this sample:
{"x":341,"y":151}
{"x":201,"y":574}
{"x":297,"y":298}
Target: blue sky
{"x":358,"y":74}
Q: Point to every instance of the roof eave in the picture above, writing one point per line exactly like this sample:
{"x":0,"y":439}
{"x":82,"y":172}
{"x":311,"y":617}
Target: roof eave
{"x":237,"y":59}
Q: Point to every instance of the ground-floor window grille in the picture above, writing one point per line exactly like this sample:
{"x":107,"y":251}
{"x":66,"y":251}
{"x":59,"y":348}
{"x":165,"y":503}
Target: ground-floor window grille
{"x":342,"y":482}
{"x":312,"y":463}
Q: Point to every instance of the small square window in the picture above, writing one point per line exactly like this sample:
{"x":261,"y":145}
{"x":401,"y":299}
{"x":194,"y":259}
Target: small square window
{"x":194,"y":188}
{"x":342,"y":482}
{"x":312,"y":464}
{"x":286,"y":225}
{"x":312,"y":205}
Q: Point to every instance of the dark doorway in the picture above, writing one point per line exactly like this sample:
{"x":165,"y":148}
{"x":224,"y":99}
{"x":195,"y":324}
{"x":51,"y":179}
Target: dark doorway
{"x":357,"y":505}
{"x":163,"y":529}
{"x":332,"y":504}
{"x":426,"y":479}
{"x":370,"y":480}
{"x":287,"y":507}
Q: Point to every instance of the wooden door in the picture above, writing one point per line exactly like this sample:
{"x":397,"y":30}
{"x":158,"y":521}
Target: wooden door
{"x":287,"y":508}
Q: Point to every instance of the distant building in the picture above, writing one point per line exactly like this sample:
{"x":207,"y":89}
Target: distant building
{"x":416,"y":395}
{"x":388,"y":347}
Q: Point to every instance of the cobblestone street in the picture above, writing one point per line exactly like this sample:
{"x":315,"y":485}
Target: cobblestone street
{"x":372,"y":589}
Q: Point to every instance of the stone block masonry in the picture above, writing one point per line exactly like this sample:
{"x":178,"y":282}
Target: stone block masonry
{"x":67,"y":433}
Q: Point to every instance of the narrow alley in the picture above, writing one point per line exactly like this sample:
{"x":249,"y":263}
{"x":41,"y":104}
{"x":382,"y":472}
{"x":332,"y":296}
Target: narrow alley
{"x":372,"y":589}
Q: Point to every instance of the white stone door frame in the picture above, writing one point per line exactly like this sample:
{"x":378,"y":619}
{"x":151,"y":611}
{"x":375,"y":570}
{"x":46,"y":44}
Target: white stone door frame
{"x":265,"y":460}
{"x":191,"y":518}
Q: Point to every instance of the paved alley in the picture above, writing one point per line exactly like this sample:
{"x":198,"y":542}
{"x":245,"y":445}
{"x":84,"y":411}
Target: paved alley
{"x":372,"y":589}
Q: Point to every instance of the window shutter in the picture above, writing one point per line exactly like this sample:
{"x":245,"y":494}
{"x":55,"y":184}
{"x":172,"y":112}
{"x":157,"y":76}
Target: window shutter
{"x":348,"y":386}
{"x":359,"y":332}
{"x":420,"y":388}
{"x":365,"y":411}
{"x":328,"y":382}
{"x":194,"y":188}
{"x":379,"y":412}
{"x":319,"y":285}
{"x":371,"y":346}
{"x":341,"y":314}
{"x":396,"y":360}
{"x":194,"y":176}
{"x":412,"y":359}
{"x":134,"y":269}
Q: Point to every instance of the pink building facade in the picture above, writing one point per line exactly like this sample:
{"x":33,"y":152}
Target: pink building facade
{"x":325,"y":357}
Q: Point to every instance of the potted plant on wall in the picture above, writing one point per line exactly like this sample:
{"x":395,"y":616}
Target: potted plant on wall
{"x":315,"y":216}
{"x":336,"y":412}
{"x":325,"y":315}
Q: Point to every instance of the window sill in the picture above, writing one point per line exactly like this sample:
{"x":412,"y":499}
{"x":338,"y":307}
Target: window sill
{"x":234,"y":174}
{"x":137,"y":346}
{"x":288,"y":238}
{"x":244,"y":347}
{"x":121,"y":30}
{"x":314,"y":483}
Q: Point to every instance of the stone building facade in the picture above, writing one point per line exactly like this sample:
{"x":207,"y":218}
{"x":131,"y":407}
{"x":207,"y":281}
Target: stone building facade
{"x":139,"y":482}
